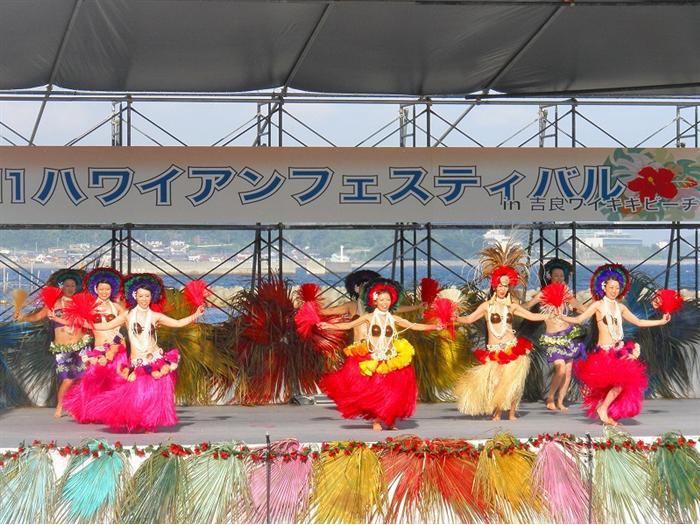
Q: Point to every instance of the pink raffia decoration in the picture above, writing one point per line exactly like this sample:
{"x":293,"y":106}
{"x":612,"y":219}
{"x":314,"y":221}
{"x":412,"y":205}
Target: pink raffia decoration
{"x":429,"y":289}
{"x":558,"y":476}
{"x":289,"y":485}
{"x":49,"y":295}
{"x":80,"y":311}
{"x":667,"y":301}
{"x":196,"y":293}
{"x":555,"y":294}
{"x":443,"y":310}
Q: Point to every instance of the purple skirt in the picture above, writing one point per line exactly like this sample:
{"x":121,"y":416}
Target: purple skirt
{"x":566,"y":344}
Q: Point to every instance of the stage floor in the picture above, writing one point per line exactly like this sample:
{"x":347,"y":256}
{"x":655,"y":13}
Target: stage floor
{"x":316,"y":423}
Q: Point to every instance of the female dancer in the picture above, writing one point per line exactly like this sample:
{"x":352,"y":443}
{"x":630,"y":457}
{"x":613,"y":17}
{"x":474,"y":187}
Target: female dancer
{"x":68,"y":342}
{"x":109,"y":351}
{"x":146,"y":400}
{"x":354,"y":282}
{"x":377,"y":381}
{"x":613,"y":378}
{"x":499,"y":380}
{"x":562,"y":342}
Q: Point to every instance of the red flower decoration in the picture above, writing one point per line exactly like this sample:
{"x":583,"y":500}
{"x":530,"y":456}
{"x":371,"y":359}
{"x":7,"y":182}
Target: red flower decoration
{"x":651,"y":182}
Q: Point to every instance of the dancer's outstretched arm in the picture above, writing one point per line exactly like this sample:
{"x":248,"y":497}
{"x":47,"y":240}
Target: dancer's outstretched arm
{"x":474,"y":316}
{"x":345,"y":326}
{"x":178,"y":323}
{"x":643,"y":323}
{"x":419,"y":327}
{"x":587,"y":314}
{"x":527,"y":314}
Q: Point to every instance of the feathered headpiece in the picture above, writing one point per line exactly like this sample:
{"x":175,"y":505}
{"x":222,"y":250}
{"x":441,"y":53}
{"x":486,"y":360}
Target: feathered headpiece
{"x":103,"y":275}
{"x":358,"y":278}
{"x":604,"y":273}
{"x":497,"y":261}
{"x":551,"y":265}
{"x":150,"y":282}
{"x":59,"y":276}
{"x":373,"y":288}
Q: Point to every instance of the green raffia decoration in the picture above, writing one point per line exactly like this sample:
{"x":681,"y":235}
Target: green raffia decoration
{"x":27,"y":484}
{"x":217,"y":485}
{"x":28,"y":364}
{"x":347,"y":487}
{"x":677,"y":478}
{"x":204,"y":373}
{"x":92,"y":484}
{"x":159,"y":488}
{"x":622,"y":481}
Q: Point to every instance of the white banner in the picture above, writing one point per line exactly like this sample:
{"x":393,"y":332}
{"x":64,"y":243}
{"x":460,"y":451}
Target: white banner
{"x":165,"y":185}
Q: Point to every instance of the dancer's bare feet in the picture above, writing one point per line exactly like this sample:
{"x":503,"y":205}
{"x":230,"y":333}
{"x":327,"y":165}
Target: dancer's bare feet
{"x":496,"y":416}
{"x":393,"y":428}
{"x":377,"y":426}
{"x":551,"y":405}
{"x":560,"y":406}
{"x":58,"y":413}
{"x":603,"y":415}
{"x":512,"y":416}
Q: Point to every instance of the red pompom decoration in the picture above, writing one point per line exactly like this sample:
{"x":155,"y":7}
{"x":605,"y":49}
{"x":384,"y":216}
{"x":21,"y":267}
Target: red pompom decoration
{"x":309,"y":292}
{"x":49,"y":295}
{"x":429,"y":289}
{"x":196,"y":293}
{"x":507,"y":271}
{"x":667,"y":301}
{"x":443,"y":310}
{"x":306,"y":319}
{"x":80,"y":310}
{"x":555,"y":294}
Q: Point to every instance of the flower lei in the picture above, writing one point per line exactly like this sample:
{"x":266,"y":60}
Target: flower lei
{"x":433,"y":448}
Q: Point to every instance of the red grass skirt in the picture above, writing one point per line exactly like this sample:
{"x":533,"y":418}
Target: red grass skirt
{"x":605,"y":369}
{"x":386,"y":397}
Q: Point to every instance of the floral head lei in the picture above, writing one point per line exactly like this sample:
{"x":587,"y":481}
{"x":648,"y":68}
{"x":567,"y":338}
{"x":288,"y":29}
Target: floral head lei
{"x":374,"y":288}
{"x":604,"y":273}
{"x":103,"y":275}
{"x":147,"y":281}
{"x":58,"y":277}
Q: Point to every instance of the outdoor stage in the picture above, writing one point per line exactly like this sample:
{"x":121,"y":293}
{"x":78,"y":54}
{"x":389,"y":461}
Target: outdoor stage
{"x":319,"y":423}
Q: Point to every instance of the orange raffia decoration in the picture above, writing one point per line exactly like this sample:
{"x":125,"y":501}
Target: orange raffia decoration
{"x":275,"y":362}
{"x":555,"y":295}
{"x":49,"y":295}
{"x":667,"y":301}
{"x":430,"y":477}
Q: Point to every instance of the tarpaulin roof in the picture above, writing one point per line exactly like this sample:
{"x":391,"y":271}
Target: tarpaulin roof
{"x":370,"y":47}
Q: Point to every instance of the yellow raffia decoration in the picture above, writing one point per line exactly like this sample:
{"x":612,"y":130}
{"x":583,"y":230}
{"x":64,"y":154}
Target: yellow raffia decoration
{"x":347,"y":488}
{"x":504,"y":480}
{"x":404,"y":356}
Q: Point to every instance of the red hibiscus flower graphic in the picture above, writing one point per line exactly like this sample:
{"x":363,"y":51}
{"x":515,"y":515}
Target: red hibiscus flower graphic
{"x":651,"y":182}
